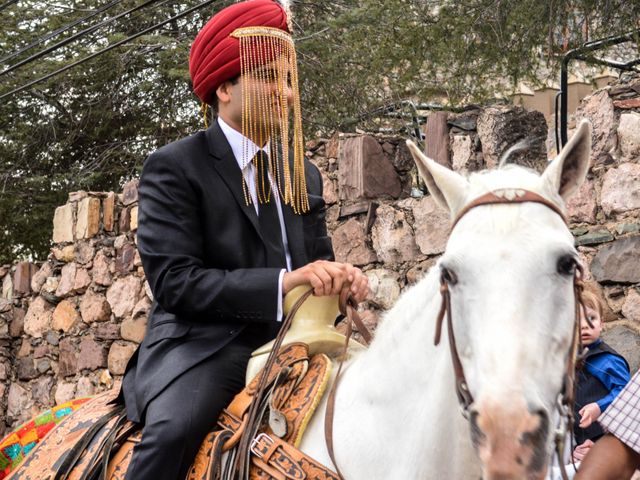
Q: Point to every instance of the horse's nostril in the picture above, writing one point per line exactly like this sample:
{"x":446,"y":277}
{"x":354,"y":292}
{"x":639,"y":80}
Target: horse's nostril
{"x":477,"y":435}
{"x":536,"y":439}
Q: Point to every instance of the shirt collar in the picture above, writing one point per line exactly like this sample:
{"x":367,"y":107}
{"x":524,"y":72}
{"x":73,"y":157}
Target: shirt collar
{"x":243,"y":148}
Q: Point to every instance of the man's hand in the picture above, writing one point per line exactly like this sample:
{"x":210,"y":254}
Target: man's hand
{"x":328,"y":278}
{"x":581,"y":450}
{"x":589,"y":414}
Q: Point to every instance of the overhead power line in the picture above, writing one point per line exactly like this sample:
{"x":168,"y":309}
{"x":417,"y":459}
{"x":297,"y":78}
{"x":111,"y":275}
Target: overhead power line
{"x":110,"y":47}
{"x":70,"y":39}
{"x":60,"y":30}
{"x":8,"y":4}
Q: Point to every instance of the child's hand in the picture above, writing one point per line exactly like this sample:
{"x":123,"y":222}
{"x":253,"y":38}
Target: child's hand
{"x":581,"y":450}
{"x":589,"y":414}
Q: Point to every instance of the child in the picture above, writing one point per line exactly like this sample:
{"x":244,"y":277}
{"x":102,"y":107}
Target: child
{"x":603,"y":373}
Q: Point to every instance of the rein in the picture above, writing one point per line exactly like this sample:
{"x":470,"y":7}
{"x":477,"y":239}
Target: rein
{"x":566,"y":397}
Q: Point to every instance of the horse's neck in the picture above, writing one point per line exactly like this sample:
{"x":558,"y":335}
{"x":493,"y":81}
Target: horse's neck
{"x":395,"y":402}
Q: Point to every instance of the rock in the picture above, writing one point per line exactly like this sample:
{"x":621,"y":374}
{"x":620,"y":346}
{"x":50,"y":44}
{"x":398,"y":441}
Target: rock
{"x":626,"y":342}
{"x":123,"y":294}
{"x":365,"y":171}
{"x":431,"y":226}
{"x":125,"y":257}
{"x":393,"y":238}
{"x":63,"y":223}
{"x":84,"y":253}
{"x":147,"y":290}
{"x":52,"y":338}
{"x":25,"y":349}
{"x":628,"y":135}
{"x":38,"y":279}
{"x":333,"y":145}
{"x":67,"y":359}
{"x":618,"y":261}
{"x":120,"y":241}
{"x":621,"y":189}
{"x":133,"y":329}
{"x":94,"y":307}
{"x":92,"y":355}
{"x":626,"y":104}
{"x":7,"y":287}
{"x":26,"y":369}
{"x":50,"y":286}
{"x":108,"y":211}
{"x":85,"y":387}
{"x":16,"y":327}
{"x":328,"y":190}
{"x":38,"y":318}
{"x":3,"y":372}
{"x":130,"y":192}
{"x":384,"y":286}
{"x":418,"y":271}
{"x":119,"y":355}
{"x":350,"y":243}
{"x":41,"y":390}
{"x":65,"y":316}
{"x":598,"y":109}
{"x":133,"y":222}
{"x":42,"y":350}
{"x":64,"y":254}
{"x":142,"y":307}
{"x":631,"y":306}
{"x":582,"y":206}
{"x":65,"y":392}
{"x":462,"y":153}
{"x":18,"y":401}
{"x":623,"y":228}
{"x":502,"y":127}
{"x":88,"y":223}
{"x":124,"y":223}
{"x":22,"y":278}
{"x":67,"y":280}
{"x":77,"y":196}
{"x":101,"y":271}
{"x":594,"y":238}
{"x":43,"y":365}
{"x":82,"y":280}
{"x":107,"y":331}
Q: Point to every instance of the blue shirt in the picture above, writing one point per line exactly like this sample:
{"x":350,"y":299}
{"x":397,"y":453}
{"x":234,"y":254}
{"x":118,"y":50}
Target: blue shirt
{"x":611,"y":371}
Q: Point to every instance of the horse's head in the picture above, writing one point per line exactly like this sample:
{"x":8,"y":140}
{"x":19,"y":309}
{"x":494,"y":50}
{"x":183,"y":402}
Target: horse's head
{"x":509,"y":269}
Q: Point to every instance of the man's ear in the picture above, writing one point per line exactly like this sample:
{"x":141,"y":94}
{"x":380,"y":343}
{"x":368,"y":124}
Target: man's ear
{"x":223,"y":92}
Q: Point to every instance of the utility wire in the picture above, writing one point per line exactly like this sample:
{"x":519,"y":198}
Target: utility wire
{"x":60,"y":30}
{"x":110,"y":47}
{"x":70,"y":39}
{"x":8,"y":4}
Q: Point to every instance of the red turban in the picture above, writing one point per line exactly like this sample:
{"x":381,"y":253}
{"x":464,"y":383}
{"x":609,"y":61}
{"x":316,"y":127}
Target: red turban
{"x":215,"y":54}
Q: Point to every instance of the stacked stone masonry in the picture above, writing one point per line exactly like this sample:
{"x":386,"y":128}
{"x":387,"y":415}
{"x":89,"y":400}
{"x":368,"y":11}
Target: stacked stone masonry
{"x":69,"y":325}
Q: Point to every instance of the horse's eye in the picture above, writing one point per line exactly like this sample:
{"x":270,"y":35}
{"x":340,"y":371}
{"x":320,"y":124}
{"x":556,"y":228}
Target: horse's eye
{"x":567,"y":265}
{"x":448,"y":275}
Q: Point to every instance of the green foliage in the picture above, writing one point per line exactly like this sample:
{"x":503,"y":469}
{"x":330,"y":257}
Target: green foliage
{"x":92,"y":126}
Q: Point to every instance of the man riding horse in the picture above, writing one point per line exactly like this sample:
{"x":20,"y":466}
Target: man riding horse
{"x":230,"y":220}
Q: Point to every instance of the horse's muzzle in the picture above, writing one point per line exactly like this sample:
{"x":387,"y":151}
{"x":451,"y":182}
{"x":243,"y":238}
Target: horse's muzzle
{"x":510,"y":440}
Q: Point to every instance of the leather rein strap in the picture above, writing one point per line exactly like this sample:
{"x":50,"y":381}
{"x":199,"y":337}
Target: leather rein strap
{"x":348,"y":308}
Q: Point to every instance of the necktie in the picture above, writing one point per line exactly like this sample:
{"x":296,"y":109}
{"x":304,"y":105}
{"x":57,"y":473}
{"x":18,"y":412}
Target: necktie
{"x":268,"y":213}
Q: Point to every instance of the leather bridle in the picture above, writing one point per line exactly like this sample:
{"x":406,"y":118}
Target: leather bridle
{"x":465,"y":398}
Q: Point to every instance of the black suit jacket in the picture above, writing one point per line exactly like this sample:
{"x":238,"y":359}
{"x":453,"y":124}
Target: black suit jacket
{"x":204,"y":259}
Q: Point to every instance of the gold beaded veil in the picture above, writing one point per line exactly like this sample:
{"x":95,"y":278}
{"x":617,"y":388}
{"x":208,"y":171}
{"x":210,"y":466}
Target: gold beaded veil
{"x":269,"y":77}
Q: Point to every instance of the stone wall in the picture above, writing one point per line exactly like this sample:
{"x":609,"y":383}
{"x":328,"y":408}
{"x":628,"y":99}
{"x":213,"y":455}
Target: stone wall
{"x":69,"y":325}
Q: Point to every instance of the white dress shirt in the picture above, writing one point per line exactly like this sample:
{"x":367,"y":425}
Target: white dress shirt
{"x":244,"y":150}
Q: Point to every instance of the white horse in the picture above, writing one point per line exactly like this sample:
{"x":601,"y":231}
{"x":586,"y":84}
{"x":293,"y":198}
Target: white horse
{"x":511,"y":272}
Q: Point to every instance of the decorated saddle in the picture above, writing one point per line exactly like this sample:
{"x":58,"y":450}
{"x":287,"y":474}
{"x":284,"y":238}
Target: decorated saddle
{"x":96,"y":441}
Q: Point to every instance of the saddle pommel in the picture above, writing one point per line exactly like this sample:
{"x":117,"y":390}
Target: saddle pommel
{"x":312,"y":324}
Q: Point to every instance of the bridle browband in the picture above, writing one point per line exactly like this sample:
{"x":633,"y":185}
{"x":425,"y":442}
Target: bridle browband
{"x":465,"y":398}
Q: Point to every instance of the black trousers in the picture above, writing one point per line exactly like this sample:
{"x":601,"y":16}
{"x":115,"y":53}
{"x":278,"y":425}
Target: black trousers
{"x":179,"y":418}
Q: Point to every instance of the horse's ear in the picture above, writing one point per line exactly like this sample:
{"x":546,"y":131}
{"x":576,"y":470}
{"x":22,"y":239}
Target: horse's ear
{"x":568,"y":170}
{"x":447,"y":187}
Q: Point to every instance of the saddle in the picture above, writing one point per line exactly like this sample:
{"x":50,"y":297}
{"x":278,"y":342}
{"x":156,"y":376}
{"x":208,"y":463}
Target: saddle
{"x":96,"y":441}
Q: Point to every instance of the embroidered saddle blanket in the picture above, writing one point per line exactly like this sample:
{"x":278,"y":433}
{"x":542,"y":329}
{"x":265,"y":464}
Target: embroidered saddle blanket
{"x":97,"y":437}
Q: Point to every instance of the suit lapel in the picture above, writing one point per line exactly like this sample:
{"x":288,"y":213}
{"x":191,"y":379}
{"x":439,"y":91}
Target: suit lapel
{"x":229,"y":171}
